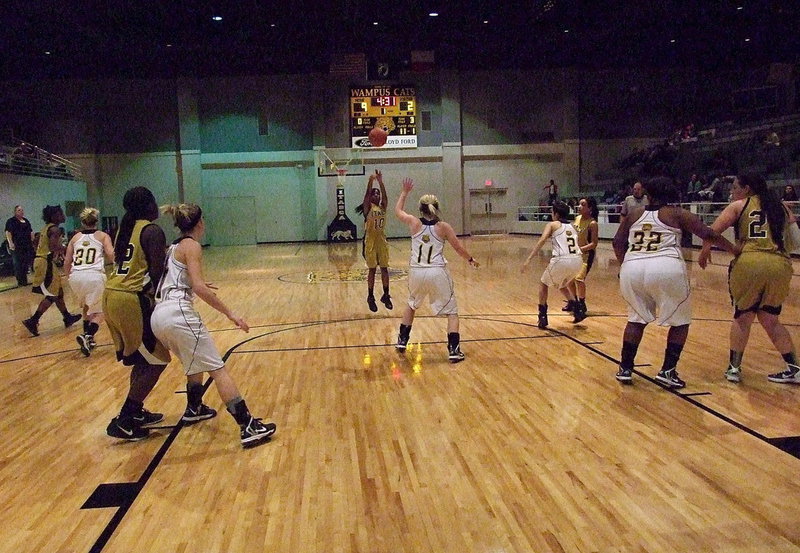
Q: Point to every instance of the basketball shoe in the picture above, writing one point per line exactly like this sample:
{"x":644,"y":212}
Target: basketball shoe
{"x":70,"y":319}
{"x":146,"y":418}
{"x":32,"y":326}
{"x":454,"y":354}
{"x":371,"y":302}
{"x":125,"y":429}
{"x":624,"y":375}
{"x":569,"y":306}
{"x":255,"y":432}
{"x":542,"y":320}
{"x":200,"y":413}
{"x":790,"y":376}
{"x":670,"y":378}
{"x":387,"y":301}
{"x":84,"y":341}
{"x":733,"y":374}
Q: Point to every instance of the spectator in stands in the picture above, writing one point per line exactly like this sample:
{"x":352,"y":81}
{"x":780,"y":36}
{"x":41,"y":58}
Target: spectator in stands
{"x":789,"y":195}
{"x":711,"y":192}
{"x":772,"y":139}
{"x":552,"y":192}
{"x":636,"y":199}
{"x":695,"y":185}
{"x":19,"y":234}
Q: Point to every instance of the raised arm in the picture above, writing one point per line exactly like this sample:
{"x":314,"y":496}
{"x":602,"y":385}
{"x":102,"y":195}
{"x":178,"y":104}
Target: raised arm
{"x":194,"y":265}
{"x":620,"y":241}
{"x":399,"y":208}
{"x":384,"y":197}
{"x":546,"y":234}
{"x":365,"y":204}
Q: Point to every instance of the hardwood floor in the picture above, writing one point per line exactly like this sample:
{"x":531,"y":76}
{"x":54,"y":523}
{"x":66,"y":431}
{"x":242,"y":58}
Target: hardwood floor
{"x":529,"y":445}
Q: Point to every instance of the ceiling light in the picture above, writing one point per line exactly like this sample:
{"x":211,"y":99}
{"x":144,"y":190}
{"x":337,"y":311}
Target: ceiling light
{"x":217,"y":18}
{"x":673,"y":41}
{"x":374,"y":22}
{"x":47,"y":52}
{"x":739,"y":8}
{"x":566,"y":30}
{"x":272,"y":24}
{"x":485,"y":21}
{"x":747,"y":40}
{"x":434,"y":14}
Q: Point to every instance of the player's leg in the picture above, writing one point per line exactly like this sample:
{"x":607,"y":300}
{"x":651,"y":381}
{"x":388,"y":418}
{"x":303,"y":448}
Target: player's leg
{"x":739,"y":336}
{"x":370,"y":287}
{"x":32,"y":323}
{"x":386,"y":299}
{"x":542,"y":322}
{"x":570,"y":295}
{"x":454,"y":353}
{"x":631,"y":338}
{"x":405,"y":328}
{"x":69,"y":318}
{"x":676,"y":338}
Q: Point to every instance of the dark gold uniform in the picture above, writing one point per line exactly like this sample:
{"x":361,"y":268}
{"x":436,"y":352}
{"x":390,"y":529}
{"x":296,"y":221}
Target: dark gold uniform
{"x":582,"y":227}
{"x":128,"y":304}
{"x":46,"y":276}
{"x":376,"y":248}
{"x":760,"y":277}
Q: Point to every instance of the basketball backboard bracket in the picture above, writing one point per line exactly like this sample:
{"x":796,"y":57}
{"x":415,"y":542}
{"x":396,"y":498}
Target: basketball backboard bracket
{"x":340,"y":162}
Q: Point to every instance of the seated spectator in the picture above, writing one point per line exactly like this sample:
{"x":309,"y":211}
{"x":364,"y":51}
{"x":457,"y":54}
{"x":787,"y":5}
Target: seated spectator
{"x":695,"y":185}
{"x":711,"y":192}
{"x":789,"y":195}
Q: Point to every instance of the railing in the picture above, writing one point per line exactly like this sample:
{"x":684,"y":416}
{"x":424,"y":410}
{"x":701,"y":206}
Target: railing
{"x":27,"y":159}
{"x":610,"y":213}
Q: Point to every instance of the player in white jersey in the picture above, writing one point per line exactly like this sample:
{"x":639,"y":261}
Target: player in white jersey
{"x":178,"y":326}
{"x":428,"y":275}
{"x":653,"y":277}
{"x":87,"y":255}
{"x":565,"y":264}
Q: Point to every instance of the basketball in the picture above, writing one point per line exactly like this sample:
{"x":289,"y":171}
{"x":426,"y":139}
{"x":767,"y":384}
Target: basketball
{"x":377,"y":137}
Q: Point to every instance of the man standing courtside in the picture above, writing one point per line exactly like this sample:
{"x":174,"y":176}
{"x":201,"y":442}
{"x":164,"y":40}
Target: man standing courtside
{"x":637,"y":199}
{"x":19,"y":234}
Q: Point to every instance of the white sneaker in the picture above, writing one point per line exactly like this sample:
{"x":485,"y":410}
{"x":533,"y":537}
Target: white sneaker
{"x":733,"y":374}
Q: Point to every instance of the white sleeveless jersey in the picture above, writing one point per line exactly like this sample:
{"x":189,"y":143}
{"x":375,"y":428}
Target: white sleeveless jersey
{"x":175,"y":284}
{"x":427,"y":249}
{"x":87,"y":254}
{"x":565,"y":241}
{"x":649,"y":237}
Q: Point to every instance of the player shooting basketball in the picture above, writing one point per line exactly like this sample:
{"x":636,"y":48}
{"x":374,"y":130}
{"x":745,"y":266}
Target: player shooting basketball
{"x":376,"y":248}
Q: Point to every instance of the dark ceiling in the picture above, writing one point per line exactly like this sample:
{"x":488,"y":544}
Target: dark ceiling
{"x":157,"y":38}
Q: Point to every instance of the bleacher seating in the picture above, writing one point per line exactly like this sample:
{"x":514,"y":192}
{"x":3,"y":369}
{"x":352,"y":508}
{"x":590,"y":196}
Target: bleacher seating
{"x":23,"y":158}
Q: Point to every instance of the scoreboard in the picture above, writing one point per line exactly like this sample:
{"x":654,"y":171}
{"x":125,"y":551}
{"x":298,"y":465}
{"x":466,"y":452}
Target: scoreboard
{"x":393,"y":108}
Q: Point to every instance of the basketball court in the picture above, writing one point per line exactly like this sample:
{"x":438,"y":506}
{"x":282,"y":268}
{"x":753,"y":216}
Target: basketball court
{"x":530,"y":444}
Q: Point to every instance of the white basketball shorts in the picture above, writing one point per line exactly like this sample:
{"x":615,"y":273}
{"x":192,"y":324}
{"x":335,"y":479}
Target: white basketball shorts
{"x":88,"y":289}
{"x":656,"y":290}
{"x":178,"y":326}
{"x":561,"y":270}
{"x":435,"y":284}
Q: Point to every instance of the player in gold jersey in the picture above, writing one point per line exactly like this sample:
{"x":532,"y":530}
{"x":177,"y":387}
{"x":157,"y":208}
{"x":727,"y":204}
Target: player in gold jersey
{"x":586,"y":226}
{"x":376,"y":248}
{"x":46,"y":271}
{"x":760,"y":276}
{"x":139,"y":254}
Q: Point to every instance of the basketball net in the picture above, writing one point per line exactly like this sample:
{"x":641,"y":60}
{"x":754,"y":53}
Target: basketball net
{"x":341,"y":176}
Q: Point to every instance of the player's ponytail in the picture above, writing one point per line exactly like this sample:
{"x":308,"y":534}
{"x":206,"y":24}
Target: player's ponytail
{"x":89,"y":217}
{"x":186,"y":216}
{"x":429,"y":207}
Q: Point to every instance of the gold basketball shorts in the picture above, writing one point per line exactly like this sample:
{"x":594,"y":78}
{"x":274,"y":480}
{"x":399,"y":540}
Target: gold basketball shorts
{"x":759,"y":281}
{"x":128,"y":318}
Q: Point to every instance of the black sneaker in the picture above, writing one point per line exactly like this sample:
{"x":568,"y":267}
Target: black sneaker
{"x":569,"y":307}
{"x":256,"y":432}
{"x":201,"y":413}
{"x":387,"y":301}
{"x":625,"y":375}
{"x":92,"y":343}
{"x":84,"y":343}
{"x":401,"y":343}
{"x":70,"y":319}
{"x":542,"y":320}
{"x":790,"y":376}
{"x":670,"y":378}
{"x":32,"y":326}
{"x":455,"y":354}
{"x":146,"y":418}
{"x":579,"y":314}
{"x":372,"y":305}
{"x":125,"y":429}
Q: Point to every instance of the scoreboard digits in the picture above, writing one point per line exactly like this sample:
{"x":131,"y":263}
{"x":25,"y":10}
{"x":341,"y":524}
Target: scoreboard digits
{"x":390,"y":107}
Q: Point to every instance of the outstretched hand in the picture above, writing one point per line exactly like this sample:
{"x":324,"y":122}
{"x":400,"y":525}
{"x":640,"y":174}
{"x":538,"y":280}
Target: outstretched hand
{"x":408,"y":184}
{"x":704,"y":258}
{"x":238,"y":321}
{"x":379,"y":176}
